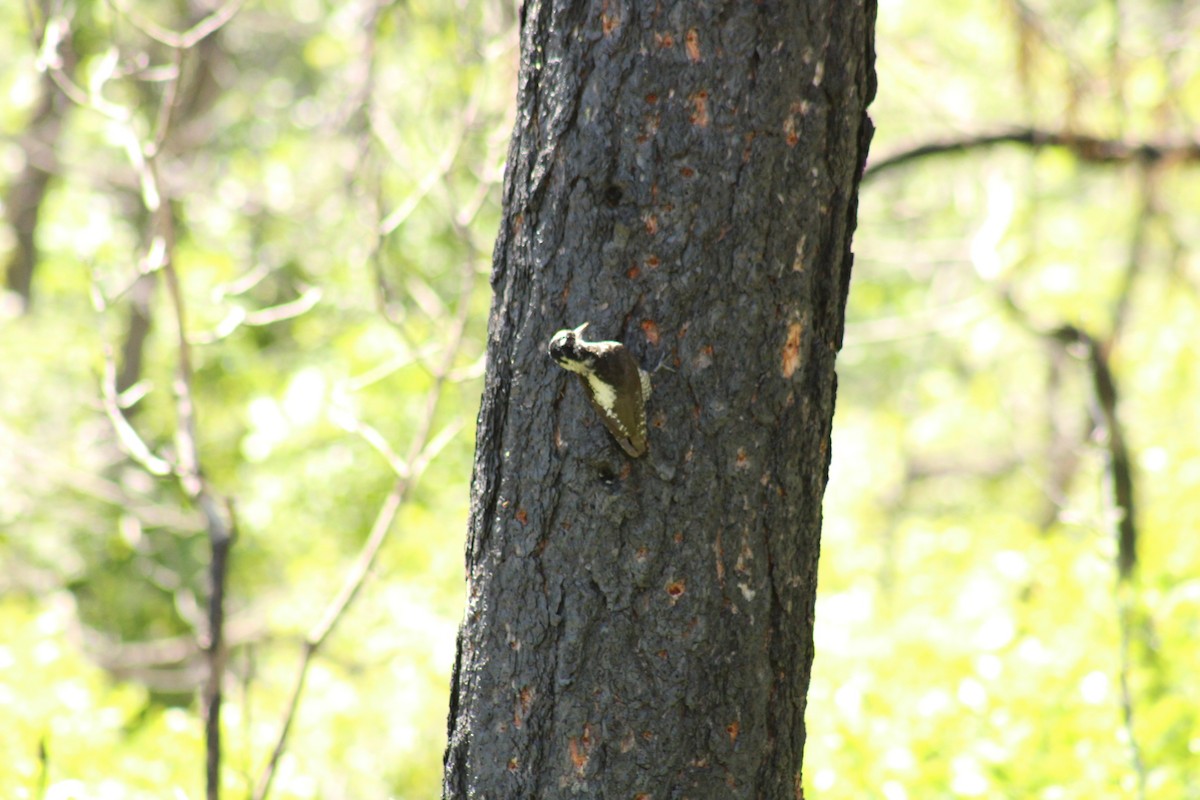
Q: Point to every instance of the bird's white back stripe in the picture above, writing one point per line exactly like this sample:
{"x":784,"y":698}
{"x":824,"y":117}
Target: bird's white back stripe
{"x":606,"y":396}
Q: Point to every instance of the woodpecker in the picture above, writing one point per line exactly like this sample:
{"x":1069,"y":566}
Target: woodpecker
{"x":615,"y":385}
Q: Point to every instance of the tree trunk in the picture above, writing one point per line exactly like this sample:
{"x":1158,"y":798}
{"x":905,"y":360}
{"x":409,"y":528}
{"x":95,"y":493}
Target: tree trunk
{"x":23,"y":204}
{"x":684,"y":177}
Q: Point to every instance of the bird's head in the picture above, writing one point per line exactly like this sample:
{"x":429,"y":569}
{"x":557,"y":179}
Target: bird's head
{"x":570,"y":351}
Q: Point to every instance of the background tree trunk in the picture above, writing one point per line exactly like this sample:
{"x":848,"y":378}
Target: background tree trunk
{"x":684,"y":177}
{"x":23,"y":203}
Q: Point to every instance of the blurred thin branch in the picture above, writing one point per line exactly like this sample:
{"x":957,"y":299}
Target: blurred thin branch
{"x":131,"y":442}
{"x":925,"y":322}
{"x":423,"y":447}
{"x":187,"y":39}
{"x":383,"y":129}
{"x":167,"y":107}
{"x":1091,"y":149}
{"x":1138,"y":245}
{"x":238,"y":317}
{"x":1106,"y":396}
{"x":222,"y":522}
{"x":186,"y":466}
{"x":1125,"y":605}
{"x":43,"y":775}
{"x":59,"y":473}
{"x":175,"y":664}
{"x":1120,"y":468}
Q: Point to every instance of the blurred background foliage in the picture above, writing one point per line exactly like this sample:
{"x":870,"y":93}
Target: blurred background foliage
{"x":331,"y":173}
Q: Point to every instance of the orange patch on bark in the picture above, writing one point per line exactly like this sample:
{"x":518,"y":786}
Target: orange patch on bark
{"x":650,"y":328}
{"x":719,"y":552}
{"x":700,"y":109}
{"x":580,"y":748}
{"x":790,"y":360}
{"x":524,"y":700}
{"x":790,"y":134}
{"x":608,"y":22}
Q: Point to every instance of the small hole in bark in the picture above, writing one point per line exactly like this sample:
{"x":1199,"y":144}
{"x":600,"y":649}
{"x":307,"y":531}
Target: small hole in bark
{"x":613,"y":195}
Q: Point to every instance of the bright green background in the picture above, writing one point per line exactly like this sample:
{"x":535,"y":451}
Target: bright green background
{"x":968,"y":637}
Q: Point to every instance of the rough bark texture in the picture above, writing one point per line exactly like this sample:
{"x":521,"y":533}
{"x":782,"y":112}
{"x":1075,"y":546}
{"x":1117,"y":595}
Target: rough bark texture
{"x":683,"y":176}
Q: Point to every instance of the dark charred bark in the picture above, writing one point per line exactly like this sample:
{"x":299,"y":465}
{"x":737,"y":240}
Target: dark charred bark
{"x":684,"y":177}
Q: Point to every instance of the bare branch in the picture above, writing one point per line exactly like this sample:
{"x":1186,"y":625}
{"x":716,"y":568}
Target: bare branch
{"x":318,"y":634}
{"x":1125,"y":623}
{"x":421,"y":451}
{"x":180,"y":41}
{"x":221,"y":522}
{"x":43,"y":757}
{"x":389,"y":137}
{"x":435,"y":175}
{"x":221,"y":540}
{"x":1091,"y":149}
{"x":925,"y":322}
{"x":1120,"y":468}
{"x":1105,"y":393}
{"x":345,"y":420}
{"x":160,"y":256}
{"x":165,"y":109}
{"x":436,"y":445}
{"x":468,"y":372}
{"x":1138,"y":252}
{"x":131,"y":443}
{"x":63,"y":476}
{"x":237,"y":316}
{"x":50,"y":60}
